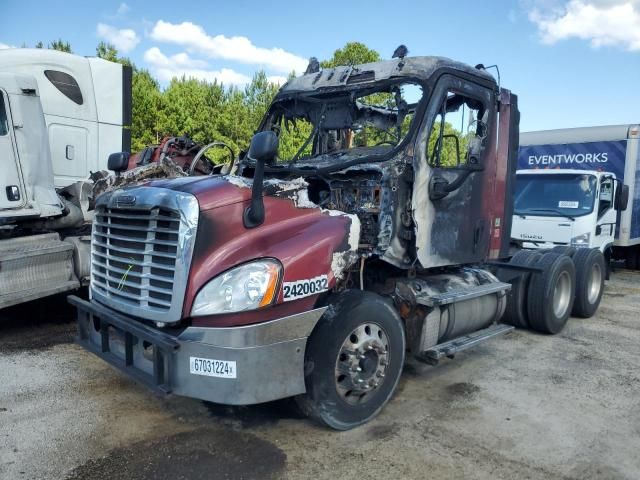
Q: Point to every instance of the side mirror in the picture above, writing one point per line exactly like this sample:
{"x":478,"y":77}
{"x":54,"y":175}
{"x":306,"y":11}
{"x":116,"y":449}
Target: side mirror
{"x":263,"y":149}
{"x":622,"y":198}
{"x":118,"y":162}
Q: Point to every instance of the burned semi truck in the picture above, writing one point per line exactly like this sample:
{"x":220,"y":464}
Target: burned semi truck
{"x":369,"y":220}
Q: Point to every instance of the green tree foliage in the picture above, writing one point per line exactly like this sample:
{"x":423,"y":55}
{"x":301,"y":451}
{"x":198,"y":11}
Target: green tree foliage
{"x":353,"y":53}
{"x":60,"y":45}
{"x":258,"y":96}
{"x":452,"y":152}
{"x":292,"y":138}
{"x":146,"y":103}
{"x":107,"y":51}
{"x":209,"y":111}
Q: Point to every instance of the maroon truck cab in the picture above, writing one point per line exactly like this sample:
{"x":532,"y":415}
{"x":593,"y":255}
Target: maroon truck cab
{"x":372,"y":237}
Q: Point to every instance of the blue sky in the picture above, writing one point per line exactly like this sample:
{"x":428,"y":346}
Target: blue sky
{"x":571,"y":62}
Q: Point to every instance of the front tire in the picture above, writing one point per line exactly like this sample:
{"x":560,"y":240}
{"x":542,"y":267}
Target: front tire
{"x":353,"y":360}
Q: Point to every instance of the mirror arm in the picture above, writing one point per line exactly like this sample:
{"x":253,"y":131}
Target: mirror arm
{"x":254,"y":213}
{"x":263,"y":149}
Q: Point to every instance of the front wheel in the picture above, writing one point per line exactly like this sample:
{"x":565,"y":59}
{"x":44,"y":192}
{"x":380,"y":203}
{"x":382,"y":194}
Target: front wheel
{"x":353,"y":360}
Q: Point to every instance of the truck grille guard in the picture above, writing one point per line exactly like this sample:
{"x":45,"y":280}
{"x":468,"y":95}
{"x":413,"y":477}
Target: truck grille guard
{"x":160,"y":344}
{"x":141,"y":249}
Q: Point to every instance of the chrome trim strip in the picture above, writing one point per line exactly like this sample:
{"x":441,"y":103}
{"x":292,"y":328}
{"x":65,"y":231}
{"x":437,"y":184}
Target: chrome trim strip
{"x":275,"y":331}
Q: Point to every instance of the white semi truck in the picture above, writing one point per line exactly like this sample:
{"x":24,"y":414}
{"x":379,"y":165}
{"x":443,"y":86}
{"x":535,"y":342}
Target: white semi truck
{"x":61,"y":115}
{"x":573,"y":188}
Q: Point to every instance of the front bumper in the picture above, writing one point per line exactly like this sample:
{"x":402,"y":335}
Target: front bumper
{"x":269,"y":356}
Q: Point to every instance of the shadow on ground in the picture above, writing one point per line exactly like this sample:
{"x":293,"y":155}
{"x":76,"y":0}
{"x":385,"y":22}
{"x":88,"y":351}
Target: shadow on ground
{"x":205,"y":453}
{"x":38,"y":324}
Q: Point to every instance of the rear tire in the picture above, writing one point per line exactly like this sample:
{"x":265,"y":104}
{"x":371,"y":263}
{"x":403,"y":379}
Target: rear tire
{"x":590,"y":274}
{"x":551,"y":293}
{"x":516,"y":311}
{"x":359,"y":330}
{"x":564,"y":250}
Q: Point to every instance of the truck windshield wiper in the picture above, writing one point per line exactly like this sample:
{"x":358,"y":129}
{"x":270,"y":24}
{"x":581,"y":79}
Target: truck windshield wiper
{"x":554,"y":210}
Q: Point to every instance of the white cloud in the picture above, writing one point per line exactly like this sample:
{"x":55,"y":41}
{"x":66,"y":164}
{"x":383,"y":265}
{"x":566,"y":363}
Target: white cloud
{"x":155,"y":57}
{"x":601,"y":22}
{"x":180,"y":64}
{"x":124,"y":39}
{"x":4,"y":46}
{"x":277,"y":79}
{"x":238,"y":49}
{"x":123,"y":9}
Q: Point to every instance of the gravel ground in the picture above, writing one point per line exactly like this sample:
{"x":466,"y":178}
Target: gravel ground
{"x":521,"y":406}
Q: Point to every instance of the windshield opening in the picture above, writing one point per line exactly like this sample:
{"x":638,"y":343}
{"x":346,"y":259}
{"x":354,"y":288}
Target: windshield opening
{"x":568,"y":195}
{"x":370,"y":120}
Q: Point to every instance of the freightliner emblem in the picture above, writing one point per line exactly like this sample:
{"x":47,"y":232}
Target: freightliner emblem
{"x":126,"y":200}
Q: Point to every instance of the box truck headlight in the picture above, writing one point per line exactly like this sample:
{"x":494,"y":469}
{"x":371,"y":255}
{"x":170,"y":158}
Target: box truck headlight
{"x":581,"y":240}
{"x":246,"y":287}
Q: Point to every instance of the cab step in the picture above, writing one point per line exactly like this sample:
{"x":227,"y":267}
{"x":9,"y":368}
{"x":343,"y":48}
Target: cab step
{"x":450,"y":348}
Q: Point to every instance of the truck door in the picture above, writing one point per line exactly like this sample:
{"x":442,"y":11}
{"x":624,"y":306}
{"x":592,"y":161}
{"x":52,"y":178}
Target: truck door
{"x":11,"y":189}
{"x":451,"y":227}
{"x":606,"y":226}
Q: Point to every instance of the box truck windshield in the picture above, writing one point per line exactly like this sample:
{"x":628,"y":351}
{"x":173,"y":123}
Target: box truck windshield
{"x":561,"y":195}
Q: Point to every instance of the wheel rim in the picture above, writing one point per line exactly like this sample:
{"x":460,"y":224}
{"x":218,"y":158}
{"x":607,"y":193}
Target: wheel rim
{"x":562,"y":294}
{"x":595,"y":282}
{"x":362,"y":363}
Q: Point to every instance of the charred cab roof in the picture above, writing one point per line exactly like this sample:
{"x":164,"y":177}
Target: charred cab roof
{"x":420,"y":68}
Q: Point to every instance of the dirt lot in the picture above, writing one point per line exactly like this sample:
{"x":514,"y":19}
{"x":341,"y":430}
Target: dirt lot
{"x":522,"y":406}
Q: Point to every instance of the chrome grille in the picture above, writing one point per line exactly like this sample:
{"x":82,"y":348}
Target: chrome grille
{"x":134,"y":255}
{"x":140,"y":255}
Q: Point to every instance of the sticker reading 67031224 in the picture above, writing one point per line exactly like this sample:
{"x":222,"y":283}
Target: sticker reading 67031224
{"x":212,"y":368}
{"x":304,"y":288}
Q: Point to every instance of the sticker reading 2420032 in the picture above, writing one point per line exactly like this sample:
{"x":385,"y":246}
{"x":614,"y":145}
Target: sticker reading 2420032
{"x":304,"y":288}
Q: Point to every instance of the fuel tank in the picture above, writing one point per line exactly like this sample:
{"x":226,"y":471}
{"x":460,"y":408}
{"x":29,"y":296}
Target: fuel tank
{"x":430,"y":325}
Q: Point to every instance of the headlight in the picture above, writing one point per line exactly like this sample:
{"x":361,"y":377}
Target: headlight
{"x":581,"y":240}
{"x":247,"y":287}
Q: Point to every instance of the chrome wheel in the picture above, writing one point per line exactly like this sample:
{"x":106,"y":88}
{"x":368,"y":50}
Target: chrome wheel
{"x":362,"y":362}
{"x":562,"y":294}
{"x":595,"y":282}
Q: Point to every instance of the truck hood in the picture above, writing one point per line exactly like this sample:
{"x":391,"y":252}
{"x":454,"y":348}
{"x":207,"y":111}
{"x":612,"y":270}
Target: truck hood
{"x":294,"y":231}
{"x":542,"y":229}
{"x":211,"y":192}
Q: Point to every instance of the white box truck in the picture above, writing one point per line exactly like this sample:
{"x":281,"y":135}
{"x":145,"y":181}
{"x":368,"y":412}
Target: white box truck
{"x":580,"y":188}
{"x":61,"y":115}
